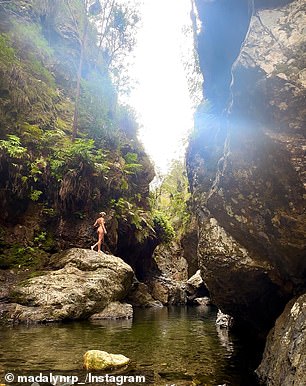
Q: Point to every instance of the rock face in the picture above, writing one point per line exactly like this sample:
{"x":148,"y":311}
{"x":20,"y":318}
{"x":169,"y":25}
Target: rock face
{"x":84,"y":283}
{"x":284,"y":359}
{"x":246,"y":165}
{"x":189,"y":243}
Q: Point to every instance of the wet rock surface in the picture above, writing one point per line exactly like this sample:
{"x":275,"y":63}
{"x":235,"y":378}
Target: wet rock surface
{"x":224,"y":320}
{"x":284,"y":359}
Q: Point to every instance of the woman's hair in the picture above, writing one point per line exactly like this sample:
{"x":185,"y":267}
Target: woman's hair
{"x":102,"y":213}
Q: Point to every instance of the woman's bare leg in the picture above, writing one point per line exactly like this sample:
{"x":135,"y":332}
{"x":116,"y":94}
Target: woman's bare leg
{"x":100,"y":241}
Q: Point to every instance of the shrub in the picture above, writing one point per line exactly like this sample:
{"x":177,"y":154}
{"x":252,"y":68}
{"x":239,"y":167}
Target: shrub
{"x":163,"y":227}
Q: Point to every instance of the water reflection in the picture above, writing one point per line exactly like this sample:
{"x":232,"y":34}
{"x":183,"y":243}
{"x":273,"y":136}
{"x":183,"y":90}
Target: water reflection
{"x":178,"y":344}
{"x":225,"y":339}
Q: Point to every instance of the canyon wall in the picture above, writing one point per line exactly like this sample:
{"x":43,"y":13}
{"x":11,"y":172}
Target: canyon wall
{"x":246,"y":159}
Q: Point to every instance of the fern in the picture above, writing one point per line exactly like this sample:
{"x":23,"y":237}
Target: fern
{"x":13,"y":146}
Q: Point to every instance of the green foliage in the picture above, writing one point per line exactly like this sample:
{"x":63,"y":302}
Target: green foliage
{"x":44,"y":241}
{"x":27,"y":85}
{"x":163,"y":227}
{"x":117,"y":26}
{"x":97,"y":103}
{"x":30,"y":39}
{"x":7,"y":53}
{"x":19,"y":256}
{"x":13,"y":146}
{"x":127,"y":121}
{"x":41,"y":72}
{"x":131,"y":165}
{"x":39,"y":57}
{"x":171,"y":197}
{"x":70,"y":154}
{"x":134,"y":216}
{"x":40,"y":238}
{"x":35,"y":194}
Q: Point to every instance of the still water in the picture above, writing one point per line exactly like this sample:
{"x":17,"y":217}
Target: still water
{"x":181,"y":345}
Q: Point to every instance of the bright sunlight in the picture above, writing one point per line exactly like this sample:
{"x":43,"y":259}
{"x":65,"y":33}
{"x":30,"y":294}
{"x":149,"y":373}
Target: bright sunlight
{"x":161,"y":98}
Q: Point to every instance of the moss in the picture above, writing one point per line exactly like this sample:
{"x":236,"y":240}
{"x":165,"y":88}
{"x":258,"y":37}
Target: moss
{"x":22,"y":257}
{"x":7,"y":53}
{"x":44,"y":241}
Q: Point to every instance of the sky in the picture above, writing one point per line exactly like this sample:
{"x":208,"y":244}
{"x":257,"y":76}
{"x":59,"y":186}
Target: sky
{"x":161,"y":97}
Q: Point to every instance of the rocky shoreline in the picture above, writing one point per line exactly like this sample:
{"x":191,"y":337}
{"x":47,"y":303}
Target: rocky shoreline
{"x":84,"y":284}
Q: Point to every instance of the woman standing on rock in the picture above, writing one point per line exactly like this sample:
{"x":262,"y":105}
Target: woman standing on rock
{"x":100,"y":223}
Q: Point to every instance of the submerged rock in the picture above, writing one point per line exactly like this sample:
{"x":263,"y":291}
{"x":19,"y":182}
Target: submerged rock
{"x":284,"y":358}
{"x":84,"y":283}
{"x":115,"y":310}
{"x":102,"y":360}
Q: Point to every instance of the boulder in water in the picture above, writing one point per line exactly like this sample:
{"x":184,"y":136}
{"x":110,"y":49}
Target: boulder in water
{"x":224,"y":320}
{"x":115,"y":310}
{"x":102,"y":360}
{"x":205,"y":301}
{"x":139,"y":296}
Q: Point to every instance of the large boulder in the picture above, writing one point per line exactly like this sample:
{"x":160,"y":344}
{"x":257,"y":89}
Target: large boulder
{"x":284,"y":359}
{"x":84,"y":283}
{"x":170,"y":261}
{"x":167,"y":291}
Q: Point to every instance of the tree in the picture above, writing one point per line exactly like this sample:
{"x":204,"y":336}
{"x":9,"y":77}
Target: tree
{"x":172,"y":195}
{"x":78,"y":12}
{"x":116,"y":24}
